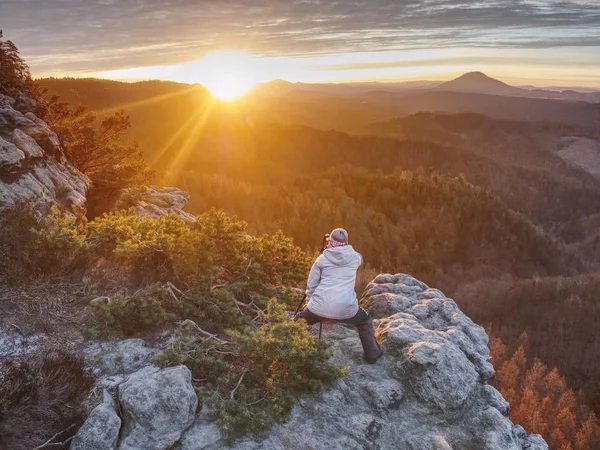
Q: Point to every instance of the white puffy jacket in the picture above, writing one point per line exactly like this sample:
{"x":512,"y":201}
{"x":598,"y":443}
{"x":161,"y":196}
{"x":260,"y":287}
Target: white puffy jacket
{"x":330,"y":289}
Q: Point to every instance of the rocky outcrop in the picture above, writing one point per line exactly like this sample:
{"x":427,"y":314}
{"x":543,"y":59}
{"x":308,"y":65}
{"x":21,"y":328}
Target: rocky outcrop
{"x":152,"y":201}
{"x":429,"y":391}
{"x":33,"y":168}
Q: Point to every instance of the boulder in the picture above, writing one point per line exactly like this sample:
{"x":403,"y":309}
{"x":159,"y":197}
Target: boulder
{"x":154,"y":202}
{"x":157,"y":409}
{"x":101,"y":429}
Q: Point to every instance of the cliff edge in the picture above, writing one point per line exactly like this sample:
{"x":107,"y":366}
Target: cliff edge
{"x":430,"y":391}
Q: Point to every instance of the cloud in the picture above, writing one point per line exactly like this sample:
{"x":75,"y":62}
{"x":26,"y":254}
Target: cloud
{"x":81,"y":35}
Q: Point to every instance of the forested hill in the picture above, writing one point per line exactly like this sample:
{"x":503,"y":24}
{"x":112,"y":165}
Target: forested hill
{"x":99,"y":94}
{"x":527,"y":144}
{"x":189,"y":139}
{"x":270,"y":152}
{"x":441,"y":228}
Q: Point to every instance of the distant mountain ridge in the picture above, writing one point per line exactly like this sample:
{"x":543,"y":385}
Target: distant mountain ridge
{"x":468,"y":83}
{"x":478,"y":82}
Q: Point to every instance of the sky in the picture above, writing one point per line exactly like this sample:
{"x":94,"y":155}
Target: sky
{"x":519,"y":41}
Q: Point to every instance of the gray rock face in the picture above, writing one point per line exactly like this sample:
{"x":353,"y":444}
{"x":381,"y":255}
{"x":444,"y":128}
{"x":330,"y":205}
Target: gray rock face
{"x":27,"y":144}
{"x":202,"y":435}
{"x":10,"y":156}
{"x":24,"y":104}
{"x":429,"y":391}
{"x":101,"y":429}
{"x":157,"y":409}
{"x":151,"y":201}
{"x":32,"y":163}
{"x":120,"y":357}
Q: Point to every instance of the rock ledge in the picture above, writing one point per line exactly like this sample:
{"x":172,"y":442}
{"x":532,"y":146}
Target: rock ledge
{"x":428,"y":392}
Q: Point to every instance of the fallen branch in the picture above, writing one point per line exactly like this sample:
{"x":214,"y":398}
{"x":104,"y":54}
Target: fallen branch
{"x":257,"y":401}
{"x":12,"y":325}
{"x":61,"y":444}
{"x":238,"y":384}
{"x":48,"y":442}
{"x":245,"y":306}
{"x":234,"y":279}
{"x":171,"y":289}
{"x":201,"y":331}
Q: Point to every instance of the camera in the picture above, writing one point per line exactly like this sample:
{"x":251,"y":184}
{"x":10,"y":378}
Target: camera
{"x":325,"y":242}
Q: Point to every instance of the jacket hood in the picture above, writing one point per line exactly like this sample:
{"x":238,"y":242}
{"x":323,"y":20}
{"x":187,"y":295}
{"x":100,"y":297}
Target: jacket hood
{"x":342,"y":256}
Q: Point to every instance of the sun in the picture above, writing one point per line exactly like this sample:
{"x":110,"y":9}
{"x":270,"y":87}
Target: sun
{"x":228,"y":75}
{"x":230,"y":87}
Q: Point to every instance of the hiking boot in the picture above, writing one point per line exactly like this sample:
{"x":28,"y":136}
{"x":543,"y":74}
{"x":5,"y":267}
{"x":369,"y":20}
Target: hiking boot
{"x":374,"y":359}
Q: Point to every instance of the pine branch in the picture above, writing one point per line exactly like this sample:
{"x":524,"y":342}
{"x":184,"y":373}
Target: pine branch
{"x":237,"y":385}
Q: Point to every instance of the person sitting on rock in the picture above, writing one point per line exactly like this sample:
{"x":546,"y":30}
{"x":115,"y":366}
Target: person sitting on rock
{"x":330,"y":292}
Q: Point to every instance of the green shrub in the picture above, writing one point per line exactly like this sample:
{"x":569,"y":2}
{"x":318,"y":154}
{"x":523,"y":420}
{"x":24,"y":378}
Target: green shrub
{"x":121,"y":315}
{"x":258,"y":375}
{"x":276,"y":260}
{"x":216,"y":309}
{"x":283,"y":360}
{"x":60,"y":244}
{"x":214,"y":250}
{"x":198,"y":354}
{"x":151,"y":248}
{"x":31,"y":245}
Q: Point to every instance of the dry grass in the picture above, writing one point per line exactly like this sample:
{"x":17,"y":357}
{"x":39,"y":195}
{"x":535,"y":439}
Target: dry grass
{"x":363,"y":277}
{"x":47,"y":390}
{"x":41,"y":394}
{"x":45,"y":306}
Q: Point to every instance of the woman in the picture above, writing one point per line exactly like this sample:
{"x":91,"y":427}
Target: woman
{"x":330,"y":292}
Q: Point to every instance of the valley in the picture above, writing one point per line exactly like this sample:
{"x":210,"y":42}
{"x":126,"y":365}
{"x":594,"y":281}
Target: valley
{"x":462,"y":187}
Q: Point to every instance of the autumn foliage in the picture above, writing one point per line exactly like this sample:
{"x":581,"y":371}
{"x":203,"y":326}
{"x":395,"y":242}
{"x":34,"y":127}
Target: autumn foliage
{"x":542,"y":402}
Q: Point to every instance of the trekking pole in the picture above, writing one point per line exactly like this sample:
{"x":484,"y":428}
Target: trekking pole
{"x":300,"y":305}
{"x":298,"y":310}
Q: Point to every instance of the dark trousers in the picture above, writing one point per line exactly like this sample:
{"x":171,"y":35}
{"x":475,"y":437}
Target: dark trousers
{"x":363,"y":322}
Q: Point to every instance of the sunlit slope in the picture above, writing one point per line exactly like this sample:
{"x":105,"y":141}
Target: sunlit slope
{"x":269,"y":153}
{"x":442,"y":228}
{"x":185,"y":133}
